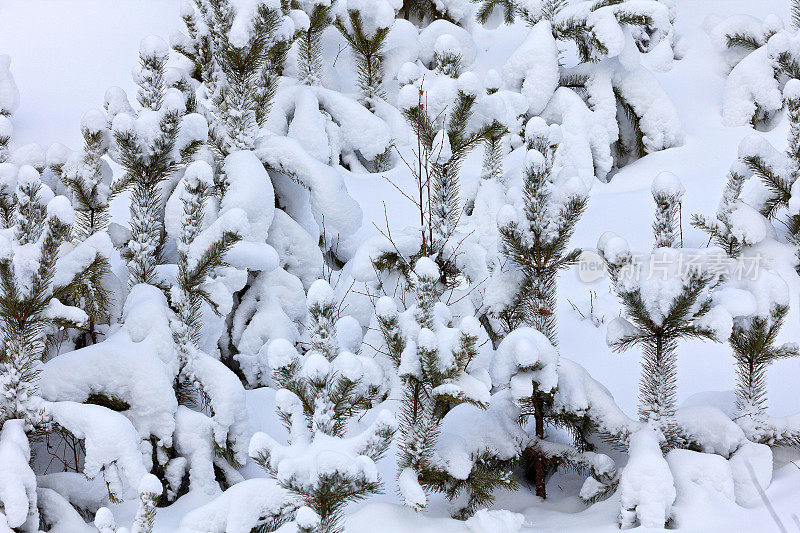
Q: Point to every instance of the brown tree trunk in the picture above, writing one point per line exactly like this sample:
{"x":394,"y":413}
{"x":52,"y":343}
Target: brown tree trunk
{"x":539,"y":460}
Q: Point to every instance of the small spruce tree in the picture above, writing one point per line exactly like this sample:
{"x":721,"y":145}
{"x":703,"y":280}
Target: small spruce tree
{"x":322,"y":392}
{"x":754,"y":350}
{"x":309,"y":40}
{"x":658,"y":326}
{"x":239,"y":62}
{"x":150,"y":148}
{"x":27,"y":304}
{"x":435,"y":379}
{"x":538,"y":244}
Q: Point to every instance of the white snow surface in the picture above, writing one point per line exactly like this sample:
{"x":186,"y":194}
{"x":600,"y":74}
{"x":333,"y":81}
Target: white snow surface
{"x":97,"y":46}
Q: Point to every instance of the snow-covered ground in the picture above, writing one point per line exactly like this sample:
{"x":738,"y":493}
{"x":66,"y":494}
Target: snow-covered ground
{"x":65,"y":53}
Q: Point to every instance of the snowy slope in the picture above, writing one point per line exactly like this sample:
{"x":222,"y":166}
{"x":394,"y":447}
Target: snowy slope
{"x":65,"y":53}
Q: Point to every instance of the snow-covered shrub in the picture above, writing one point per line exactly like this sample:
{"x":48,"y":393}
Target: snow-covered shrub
{"x":150,"y":144}
{"x":754,"y":349}
{"x":736,"y":225}
{"x":558,"y":392}
{"x":34,"y":283}
{"x":612,"y":108}
{"x":762,"y":56}
{"x":438,"y":364}
{"x":327,"y":461}
{"x":441,"y":107}
{"x":664,"y":302}
{"x":535,"y":235}
{"x":366,"y":26}
{"x":317,"y":18}
{"x":779,"y":197}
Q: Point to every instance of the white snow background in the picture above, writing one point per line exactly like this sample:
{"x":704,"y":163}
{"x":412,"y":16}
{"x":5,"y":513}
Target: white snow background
{"x":65,"y":53}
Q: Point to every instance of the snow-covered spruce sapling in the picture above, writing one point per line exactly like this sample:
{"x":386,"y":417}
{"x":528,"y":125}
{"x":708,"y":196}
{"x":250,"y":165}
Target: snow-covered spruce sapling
{"x":617,"y":98}
{"x":735,"y":226}
{"x":667,"y":192}
{"x":151,"y":143}
{"x":28,"y":305}
{"x":238,"y":55}
{"x":779,"y":172}
{"x":529,"y":366}
{"x":492,"y":166}
{"x":432,"y":359}
{"x":664,"y":302}
{"x":536,"y":240}
{"x":87,"y":177}
{"x":753,"y":341}
{"x":443,"y":142}
{"x":198,"y":256}
{"x":365,"y":26}
{"x":326,"y":462}
{"x":762,"y":57}
{"x":309,"y":39}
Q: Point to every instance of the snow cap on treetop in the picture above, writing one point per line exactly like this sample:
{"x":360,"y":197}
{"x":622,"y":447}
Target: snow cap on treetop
{"x":306,"y":518}
{"x":470,"y":83}
{"x":199,"y":172}
{"x":150,"y":485}
{"x":385,"y":307}
{"x":493,"y":79}
{"x":60,"y":208}
{"x":154,"y":46}
{"x":426,"y":267}
{"x":408,"y":73}
{"x":536,"y":128}
{"x":667,"y":184}
{"x":792,"y":90}
{"x":613,"y":247}
{"x":447,"y":44}
{"x":281,"y":353}
{"x":320,"y":293}
{"x":27,"y":176}
{"x":93,"y":121}
{"x":104,"y":518}
{"x":57,"y":154}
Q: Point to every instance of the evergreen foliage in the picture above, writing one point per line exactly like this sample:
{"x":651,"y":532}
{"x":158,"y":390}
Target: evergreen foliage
{"x":321,"y":395}
{"x":309,"y":52}
{"x":722,"y":229}
{"x":538,"y":243}
{"x":779,"y":173}
{"x":368,"y":47}
{"x":753,"y":342}
{"x":27,"y":304}
{"x":435,"y":379}
{"x":149,"y":157}
{"x":239,"y":70}
{"x":444,"y":142}
{"x":658,"y":329}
